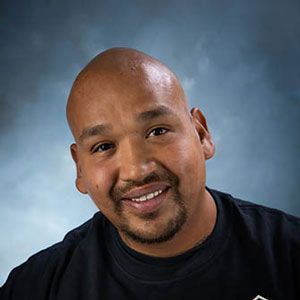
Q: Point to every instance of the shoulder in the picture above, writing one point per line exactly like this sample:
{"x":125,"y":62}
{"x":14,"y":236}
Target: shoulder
{"x":265,"y":224}
{"x":258,"y":212}
{"x":270,"y":218}
{"x":43,"y":266}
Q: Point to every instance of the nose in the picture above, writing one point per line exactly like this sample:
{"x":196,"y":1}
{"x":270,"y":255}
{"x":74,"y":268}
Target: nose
{"x":134,"y":161}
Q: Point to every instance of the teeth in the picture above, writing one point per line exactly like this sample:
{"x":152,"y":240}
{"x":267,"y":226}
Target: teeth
{"x":147,"y":197}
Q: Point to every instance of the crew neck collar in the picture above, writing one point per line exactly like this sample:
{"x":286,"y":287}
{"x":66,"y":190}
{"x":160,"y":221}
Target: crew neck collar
{"x":151,"y":268}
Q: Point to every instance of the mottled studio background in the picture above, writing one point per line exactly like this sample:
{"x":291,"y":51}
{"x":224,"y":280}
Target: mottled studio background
{"x":238,"y":60}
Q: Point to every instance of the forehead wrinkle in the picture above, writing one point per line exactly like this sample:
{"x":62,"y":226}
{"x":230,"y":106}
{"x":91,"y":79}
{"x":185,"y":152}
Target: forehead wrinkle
{"x":153,"y":113}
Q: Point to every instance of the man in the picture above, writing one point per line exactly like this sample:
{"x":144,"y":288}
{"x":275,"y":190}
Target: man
{"x":160,"y":233}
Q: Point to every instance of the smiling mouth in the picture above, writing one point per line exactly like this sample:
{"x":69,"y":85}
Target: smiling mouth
{"x":147,"y":196}
{"x":147,"y":202}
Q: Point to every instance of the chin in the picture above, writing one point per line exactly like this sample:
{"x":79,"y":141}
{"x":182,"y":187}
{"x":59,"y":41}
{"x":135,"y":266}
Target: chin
{"x":160,"y":232}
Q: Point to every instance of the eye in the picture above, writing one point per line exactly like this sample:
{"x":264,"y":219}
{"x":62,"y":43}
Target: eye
{"x":102,"y":147}
{"x":157,"y":131}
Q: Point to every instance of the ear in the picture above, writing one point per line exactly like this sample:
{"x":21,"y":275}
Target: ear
{"x":203,"y":133}
{"x":79,"y":180}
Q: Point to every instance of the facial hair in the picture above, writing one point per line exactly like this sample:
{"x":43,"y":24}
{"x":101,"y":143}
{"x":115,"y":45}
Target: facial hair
{"x":170,"y":228}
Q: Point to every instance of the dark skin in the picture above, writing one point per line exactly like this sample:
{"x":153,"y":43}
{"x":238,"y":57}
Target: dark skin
{"x":140,"y":154}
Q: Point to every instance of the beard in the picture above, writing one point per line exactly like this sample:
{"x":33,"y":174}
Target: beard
{"x":166,"y":230}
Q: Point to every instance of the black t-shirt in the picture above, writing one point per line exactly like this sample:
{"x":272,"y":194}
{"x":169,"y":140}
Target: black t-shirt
{"x":252,"y":253}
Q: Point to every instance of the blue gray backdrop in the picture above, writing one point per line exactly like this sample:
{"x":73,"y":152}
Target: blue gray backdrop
{"x":237,"y":60}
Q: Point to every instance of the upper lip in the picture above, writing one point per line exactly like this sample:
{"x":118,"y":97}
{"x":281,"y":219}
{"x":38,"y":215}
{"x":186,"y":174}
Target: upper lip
{"x":144,"y":190}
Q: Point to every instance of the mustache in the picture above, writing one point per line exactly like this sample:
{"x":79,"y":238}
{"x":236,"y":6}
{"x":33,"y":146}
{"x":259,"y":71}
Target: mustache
{"x":116,"y":193}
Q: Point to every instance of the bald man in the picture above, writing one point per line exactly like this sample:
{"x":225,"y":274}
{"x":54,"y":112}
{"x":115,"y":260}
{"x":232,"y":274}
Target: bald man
{"x":160,"y":233}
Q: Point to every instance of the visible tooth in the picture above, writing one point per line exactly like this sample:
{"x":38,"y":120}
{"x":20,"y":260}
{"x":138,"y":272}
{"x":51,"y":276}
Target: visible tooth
{"x":150,"y":196}
{"x":147,"y":197}
{"x":158,"y":192}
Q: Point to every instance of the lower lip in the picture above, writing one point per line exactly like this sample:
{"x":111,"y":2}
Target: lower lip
{"x":147,"y":206}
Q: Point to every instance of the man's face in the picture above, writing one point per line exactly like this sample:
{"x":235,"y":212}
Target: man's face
{"x":139,"y":154}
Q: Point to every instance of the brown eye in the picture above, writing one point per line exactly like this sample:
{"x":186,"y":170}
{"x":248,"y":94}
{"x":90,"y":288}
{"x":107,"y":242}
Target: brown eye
{"x":103,"y":147}
{"x":158,"y":131}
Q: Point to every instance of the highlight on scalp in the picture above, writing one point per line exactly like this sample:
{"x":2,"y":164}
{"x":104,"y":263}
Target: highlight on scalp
{"x":118,"y":62}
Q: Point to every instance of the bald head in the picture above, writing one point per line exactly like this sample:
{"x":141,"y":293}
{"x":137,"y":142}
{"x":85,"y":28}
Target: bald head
{"x":121,"y":74}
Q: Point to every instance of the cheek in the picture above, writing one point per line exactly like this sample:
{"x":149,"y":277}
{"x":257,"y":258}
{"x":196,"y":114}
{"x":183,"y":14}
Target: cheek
{"x":98,"y":181}
{"x":186,"y":157}
{"x":186,"y":160}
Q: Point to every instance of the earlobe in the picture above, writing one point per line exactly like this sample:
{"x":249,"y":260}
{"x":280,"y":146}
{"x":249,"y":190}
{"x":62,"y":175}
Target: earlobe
{"x":79,"y":179}
{"x":80,"y":186}
{"x":208,"y":147}
{"x":206,"y":140}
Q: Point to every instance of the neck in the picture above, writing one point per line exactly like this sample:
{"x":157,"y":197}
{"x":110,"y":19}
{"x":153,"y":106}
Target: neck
{"x":198,"y":227}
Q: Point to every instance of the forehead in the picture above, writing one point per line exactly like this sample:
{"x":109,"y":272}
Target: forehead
{"x":114,"y":97}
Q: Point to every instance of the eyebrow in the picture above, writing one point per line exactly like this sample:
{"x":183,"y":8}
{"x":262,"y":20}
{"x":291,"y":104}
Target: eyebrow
{"x":99,"y":129}
{"x":148,"y":115}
